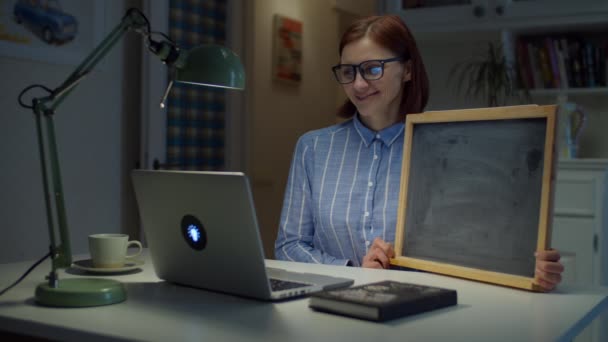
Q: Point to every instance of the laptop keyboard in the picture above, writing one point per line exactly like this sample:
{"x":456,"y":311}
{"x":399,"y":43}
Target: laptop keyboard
{"x":279,"y":285}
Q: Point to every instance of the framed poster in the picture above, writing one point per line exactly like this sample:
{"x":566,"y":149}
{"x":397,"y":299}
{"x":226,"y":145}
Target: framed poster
{"x":287,"y":49}
{"x":56,"y":31}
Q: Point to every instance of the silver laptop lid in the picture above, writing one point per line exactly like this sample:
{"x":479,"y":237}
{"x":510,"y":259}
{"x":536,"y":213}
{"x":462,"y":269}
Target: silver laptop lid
{"x":202,"y":230}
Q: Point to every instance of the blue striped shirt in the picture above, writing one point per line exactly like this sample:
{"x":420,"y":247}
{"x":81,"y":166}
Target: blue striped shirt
{"x":342,"y":193}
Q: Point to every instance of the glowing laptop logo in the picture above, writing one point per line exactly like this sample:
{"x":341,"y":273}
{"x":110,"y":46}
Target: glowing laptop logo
{"x":193,"y":232}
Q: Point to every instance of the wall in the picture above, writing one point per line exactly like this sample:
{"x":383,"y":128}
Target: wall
{"x":91,"y":142}
{"x":439,"y":56}
{"x":279,"y":113}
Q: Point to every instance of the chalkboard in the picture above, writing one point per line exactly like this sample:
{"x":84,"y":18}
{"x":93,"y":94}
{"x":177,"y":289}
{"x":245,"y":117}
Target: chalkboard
{"x":476,"y":191}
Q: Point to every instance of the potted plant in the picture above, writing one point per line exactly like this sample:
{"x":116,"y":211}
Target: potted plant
{"x":487,"y":75}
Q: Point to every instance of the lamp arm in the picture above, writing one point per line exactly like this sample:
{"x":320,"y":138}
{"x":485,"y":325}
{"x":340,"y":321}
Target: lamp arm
{"x":44,"y":109}
{"x":132,"y":20}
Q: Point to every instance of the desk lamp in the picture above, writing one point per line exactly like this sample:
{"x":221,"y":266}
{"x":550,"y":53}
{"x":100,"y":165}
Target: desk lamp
{"x":207,"y":65}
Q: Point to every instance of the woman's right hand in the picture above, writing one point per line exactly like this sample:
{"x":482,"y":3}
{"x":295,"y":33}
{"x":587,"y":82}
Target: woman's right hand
{"x":379,"y":254}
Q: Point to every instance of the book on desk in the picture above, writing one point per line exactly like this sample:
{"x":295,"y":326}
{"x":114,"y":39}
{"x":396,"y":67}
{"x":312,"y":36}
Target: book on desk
{"x":383,"y":300}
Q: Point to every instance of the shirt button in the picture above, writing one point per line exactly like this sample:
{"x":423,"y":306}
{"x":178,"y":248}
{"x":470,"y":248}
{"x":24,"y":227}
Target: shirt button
{"x":366,"y":213}
{"x":377,"y":136}
{"x":370,"y":184}
{"x":375,"y":156}
{"x":367,"y":243}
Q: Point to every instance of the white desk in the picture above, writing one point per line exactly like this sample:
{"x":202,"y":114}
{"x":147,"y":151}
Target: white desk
{"x":156,"y":310}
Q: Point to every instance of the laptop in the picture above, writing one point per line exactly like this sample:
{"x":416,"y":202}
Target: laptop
{"x":202,"y":231}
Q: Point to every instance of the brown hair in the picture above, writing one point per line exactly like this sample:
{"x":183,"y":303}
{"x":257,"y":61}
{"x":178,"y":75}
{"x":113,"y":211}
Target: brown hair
{"x":390,"y":32}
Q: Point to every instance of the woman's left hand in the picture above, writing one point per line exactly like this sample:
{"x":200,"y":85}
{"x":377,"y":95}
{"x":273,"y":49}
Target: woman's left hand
{"x":549,"y":270}
{"x":379,"y":254}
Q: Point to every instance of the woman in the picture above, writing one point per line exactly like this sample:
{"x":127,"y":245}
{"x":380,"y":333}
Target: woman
{"x":343,"y":188}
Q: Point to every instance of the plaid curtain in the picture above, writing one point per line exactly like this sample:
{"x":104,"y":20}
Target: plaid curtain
{"x":195,"y":120}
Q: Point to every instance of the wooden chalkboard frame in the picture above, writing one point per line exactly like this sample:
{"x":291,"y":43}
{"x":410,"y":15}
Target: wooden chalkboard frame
{"x":547,"y":188}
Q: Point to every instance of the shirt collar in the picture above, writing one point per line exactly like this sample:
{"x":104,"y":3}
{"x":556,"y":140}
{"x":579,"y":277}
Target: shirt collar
{"x":387,"y":135}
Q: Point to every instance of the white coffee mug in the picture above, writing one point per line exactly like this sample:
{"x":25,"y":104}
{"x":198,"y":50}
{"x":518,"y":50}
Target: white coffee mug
{"x":110,"y":250}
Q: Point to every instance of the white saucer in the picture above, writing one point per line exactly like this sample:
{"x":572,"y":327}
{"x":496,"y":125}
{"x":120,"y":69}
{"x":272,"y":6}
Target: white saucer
{"x":87,"y":265}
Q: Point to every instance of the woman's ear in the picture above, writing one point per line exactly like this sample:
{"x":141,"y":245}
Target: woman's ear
{"x":407,"y":71}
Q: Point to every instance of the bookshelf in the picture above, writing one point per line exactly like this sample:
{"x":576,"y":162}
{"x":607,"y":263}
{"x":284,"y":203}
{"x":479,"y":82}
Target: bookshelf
{"x":443,"y":16}
{"x":575,"y":65}
{"x":569,"y":91}
{"x":572,"y":61}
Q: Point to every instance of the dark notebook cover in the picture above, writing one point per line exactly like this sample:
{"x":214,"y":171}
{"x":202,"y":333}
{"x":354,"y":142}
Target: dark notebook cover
{"x":383,"y":301}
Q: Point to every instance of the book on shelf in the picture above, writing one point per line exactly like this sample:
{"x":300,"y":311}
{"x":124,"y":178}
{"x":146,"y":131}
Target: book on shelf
{"x":569,"y":60}
{"x":555,"y":77}
{"x":383,"y":300}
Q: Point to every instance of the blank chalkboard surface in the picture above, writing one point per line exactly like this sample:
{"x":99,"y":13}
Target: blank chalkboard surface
{"x":476,"y":191}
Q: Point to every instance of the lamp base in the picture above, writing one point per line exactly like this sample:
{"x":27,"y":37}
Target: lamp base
{"x":81,"y":292}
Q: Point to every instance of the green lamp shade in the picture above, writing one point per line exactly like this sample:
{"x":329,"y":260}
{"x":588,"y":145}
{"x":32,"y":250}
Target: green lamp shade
{"x":212,"y":66}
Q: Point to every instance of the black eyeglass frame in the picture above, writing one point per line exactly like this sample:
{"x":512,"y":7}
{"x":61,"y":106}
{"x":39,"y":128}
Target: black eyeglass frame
{"x":357,"y":68}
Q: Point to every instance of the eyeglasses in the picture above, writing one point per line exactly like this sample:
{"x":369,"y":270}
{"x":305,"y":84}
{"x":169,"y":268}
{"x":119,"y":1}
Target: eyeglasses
{"x":369,"y":70}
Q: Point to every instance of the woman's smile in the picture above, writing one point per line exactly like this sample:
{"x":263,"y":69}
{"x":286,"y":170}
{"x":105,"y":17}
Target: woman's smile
{"x":362,"y":98}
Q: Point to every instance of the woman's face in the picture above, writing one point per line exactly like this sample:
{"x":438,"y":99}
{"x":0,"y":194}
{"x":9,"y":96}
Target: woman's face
{"x":377,"y":101}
